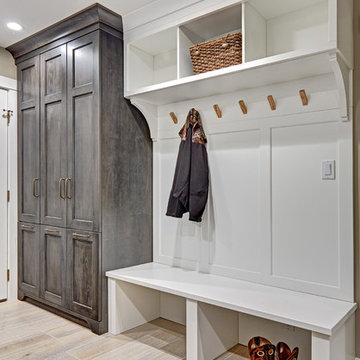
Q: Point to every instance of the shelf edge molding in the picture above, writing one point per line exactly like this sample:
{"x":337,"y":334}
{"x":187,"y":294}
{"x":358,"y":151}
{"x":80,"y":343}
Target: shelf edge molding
{"x":151,"y":115}
{"x":330,"y":62}
{"x":343,"y":78}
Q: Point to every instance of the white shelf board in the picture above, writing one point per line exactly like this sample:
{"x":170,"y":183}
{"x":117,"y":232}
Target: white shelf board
{"x":263,"y":72}
{"x":310,"y":312}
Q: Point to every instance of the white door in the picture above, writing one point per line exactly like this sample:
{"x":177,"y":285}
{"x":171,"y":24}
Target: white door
{"x":3,"y":195}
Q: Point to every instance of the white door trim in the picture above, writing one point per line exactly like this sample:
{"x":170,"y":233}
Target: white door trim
{"x":11,"y":86}
{"x":3,"y":196}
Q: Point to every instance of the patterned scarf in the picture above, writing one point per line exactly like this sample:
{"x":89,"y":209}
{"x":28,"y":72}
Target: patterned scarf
{"x":193,"y":120}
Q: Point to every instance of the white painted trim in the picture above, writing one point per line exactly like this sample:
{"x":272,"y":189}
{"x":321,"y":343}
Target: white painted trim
{"x":13,"y":205}
{"x":163,"y":14}
{"x":7,"y":83}
{"x":11,"y":86}
{"x":306,"y":311}
{"x":153,"y":11}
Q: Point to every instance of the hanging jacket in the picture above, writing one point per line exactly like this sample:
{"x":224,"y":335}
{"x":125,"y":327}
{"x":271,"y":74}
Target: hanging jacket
{"x":189,"y":192}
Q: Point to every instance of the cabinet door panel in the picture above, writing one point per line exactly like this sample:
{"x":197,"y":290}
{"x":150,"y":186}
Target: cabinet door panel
{"x":83,"y":134}
{"x":28,"y":259}
{"x":83,"y":273}
{"x":53,"y":265}
{"x":53,"y":136}
{"x":28,"y":141}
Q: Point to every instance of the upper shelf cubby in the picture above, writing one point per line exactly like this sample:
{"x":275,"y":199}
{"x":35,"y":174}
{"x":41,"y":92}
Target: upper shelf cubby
{"x":274,"y":32}
{"x":209,"y":27}
{"x":276,"y":27}
{"x":152,"y":59}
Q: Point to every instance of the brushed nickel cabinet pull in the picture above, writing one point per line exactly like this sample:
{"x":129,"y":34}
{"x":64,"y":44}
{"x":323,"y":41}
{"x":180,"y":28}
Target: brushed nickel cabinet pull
{"x":60,"y":188}
{"x":81,"y":235}
{"x":67,"y":188}
{"x":52,"y":230}
{"x":34,"y":187}
{"x":27,"y":227}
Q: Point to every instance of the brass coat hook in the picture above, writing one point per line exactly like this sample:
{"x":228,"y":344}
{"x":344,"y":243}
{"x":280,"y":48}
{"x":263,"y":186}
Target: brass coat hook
{"x":217,"y":110}
{"x":174,"y":118}
{"x":304,"y":97}
{"x":243,"y":106}
{"x":271,"y":102}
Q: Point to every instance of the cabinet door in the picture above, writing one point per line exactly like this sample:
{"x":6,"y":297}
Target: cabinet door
{"x":53,"y":136}
{"x":83,"y":273}
{"x":53,"y":264}
{"x":28,"y":260}
{"x":28,"y":141}
{"x":83,"y":184}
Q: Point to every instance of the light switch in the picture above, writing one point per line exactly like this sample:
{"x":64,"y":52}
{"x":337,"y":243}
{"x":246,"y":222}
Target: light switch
{"x":328,"y":170}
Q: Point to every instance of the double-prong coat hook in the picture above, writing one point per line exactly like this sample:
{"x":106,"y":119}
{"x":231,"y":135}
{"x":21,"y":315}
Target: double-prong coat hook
{"x":243,"y":106}
{"x":174,"y":118}
{"x":271,"y":102}
{"x":217,"y":110}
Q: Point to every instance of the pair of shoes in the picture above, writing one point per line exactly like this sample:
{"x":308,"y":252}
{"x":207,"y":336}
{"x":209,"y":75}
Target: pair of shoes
{"x":262,"y":349}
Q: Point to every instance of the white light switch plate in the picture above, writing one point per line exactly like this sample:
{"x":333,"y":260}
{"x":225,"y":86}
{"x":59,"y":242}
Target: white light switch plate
{"x":328,"y":170}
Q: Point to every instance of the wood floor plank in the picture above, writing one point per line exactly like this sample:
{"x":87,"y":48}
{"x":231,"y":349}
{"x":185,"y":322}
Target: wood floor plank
{"x":31,"y":333}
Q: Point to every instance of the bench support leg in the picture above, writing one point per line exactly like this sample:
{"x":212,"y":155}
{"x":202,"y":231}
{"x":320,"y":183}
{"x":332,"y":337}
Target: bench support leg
{"x":341,"y":345}
{"x":131,"y":305}
{"x":210,"y":331}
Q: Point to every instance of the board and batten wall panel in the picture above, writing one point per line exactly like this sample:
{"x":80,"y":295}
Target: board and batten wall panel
{"x":270,"y":217}
{"x":305,"y":208}
{"x":178,"y":238}
{"x":234,"y":162}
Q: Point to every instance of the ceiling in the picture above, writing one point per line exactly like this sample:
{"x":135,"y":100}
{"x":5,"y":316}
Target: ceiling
{"x":35,"y":15}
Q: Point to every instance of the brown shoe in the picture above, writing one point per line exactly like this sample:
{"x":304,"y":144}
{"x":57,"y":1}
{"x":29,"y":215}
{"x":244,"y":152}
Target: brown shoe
{"x":261,"y":349}
{"x":284,"y":353}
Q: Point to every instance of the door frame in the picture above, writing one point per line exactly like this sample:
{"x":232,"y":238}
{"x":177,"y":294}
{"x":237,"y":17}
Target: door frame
{"x":11,"y":86}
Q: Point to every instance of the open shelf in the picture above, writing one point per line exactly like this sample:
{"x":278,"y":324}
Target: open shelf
{"x":272,"y":32}
{"x":276,"y":27}
{"x":153,"y":59}
{"x":209,"y":27}
{"x":276,"y":69}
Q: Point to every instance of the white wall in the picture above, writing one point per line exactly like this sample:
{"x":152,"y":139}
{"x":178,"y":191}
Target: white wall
{"x":7,"y":64}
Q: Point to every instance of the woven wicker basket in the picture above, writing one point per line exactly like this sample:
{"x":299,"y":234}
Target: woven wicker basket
{"x":217,"y":54}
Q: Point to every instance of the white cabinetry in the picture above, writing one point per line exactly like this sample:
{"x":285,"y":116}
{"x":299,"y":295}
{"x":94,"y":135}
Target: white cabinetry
{"x":271,"y":218}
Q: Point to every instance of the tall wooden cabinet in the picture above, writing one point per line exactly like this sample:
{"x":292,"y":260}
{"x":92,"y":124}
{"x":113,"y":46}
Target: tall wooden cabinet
{"x":85,"y":167}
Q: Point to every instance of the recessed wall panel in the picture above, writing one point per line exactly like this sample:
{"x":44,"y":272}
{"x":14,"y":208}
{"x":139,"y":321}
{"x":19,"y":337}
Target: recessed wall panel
{"x":305,"y":208}
{"x":234,"y":233}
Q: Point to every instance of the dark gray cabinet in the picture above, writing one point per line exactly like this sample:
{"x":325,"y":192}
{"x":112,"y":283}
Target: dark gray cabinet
{"x":85,"y":167}
{"x":83,"y":272}
{"x":53,"y":136}
{"x":29,"y":259}
{"x":53,"y":264}
{"x":29,"y":141}
{"x":83,"y":133}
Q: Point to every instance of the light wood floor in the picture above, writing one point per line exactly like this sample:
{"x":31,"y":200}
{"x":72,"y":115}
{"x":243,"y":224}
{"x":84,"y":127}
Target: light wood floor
{"x":28,"y":332}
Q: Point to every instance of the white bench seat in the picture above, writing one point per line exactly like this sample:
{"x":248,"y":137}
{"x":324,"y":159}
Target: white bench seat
{"x":324,"y":317}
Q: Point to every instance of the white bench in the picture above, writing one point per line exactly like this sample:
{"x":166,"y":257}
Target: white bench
{"x":134,"y":300}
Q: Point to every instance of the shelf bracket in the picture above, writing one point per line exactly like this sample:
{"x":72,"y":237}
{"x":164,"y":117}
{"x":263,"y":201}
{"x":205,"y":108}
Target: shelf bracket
{"x":151,"y":115}
{"x":343,"y":78}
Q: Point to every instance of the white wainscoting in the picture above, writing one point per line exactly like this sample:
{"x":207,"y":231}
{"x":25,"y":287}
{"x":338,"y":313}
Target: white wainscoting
{"x":270,"y":218}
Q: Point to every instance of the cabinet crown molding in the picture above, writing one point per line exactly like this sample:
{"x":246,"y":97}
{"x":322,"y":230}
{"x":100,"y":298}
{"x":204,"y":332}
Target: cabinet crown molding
{"x":92,"y":15}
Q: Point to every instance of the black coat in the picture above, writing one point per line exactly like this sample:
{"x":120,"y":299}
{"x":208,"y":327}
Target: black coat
{"x":189,"y":192}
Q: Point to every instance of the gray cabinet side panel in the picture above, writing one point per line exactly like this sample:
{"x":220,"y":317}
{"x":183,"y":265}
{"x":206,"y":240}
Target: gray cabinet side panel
{"x":126,"y":158}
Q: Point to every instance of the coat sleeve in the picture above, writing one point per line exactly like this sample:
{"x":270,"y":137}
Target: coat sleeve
{"x":179,"y":196}
{"x":199,"y":181}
